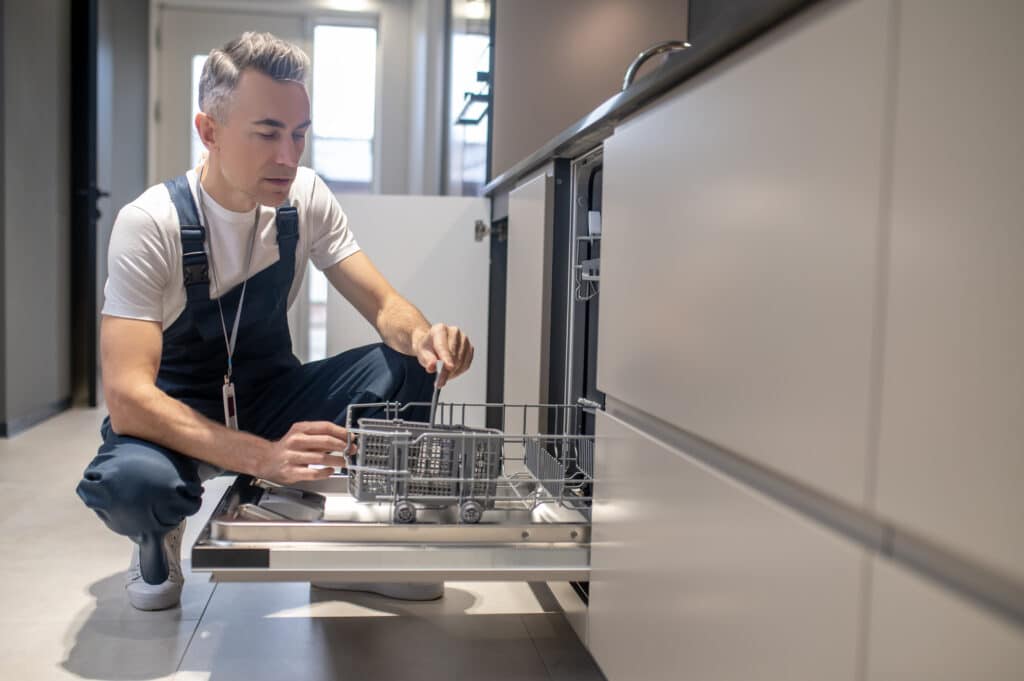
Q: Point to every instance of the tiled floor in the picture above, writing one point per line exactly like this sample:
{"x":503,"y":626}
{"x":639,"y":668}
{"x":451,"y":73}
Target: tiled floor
{"x":63,"y":613}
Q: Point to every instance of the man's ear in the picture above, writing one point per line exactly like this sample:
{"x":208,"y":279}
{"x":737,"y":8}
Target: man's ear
{"x":208,"y":130}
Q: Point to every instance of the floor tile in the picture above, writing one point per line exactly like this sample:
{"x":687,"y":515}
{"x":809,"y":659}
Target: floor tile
{"x":561,"y":650}
{"x":494,"y":647}
{"x":97,"y":650}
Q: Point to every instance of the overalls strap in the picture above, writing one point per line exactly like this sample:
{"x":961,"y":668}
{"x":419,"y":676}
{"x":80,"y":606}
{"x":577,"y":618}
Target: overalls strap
{"x":195,"y":266}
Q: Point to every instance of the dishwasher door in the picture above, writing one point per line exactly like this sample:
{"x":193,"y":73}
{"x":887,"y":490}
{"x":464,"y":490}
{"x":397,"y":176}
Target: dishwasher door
{"x":318,"y":531}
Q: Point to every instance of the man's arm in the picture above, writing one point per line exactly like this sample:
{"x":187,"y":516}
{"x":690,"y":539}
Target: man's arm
{"x":130,"y":355}
{"x":401,"y":326}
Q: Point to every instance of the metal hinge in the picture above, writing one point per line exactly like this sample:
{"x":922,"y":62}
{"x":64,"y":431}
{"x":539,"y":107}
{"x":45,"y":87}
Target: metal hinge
{"x":481,"y":230}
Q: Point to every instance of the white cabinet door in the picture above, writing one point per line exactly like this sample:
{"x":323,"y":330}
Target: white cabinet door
{"x":696,"y":577}
{"x":740,"y":249}
{"x":529,"y":272}
{"x":951,"y":458}
{"x":424,"y":246}
{"x":920,"y":631}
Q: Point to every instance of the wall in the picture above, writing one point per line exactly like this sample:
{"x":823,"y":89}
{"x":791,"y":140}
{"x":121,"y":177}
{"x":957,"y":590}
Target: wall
{"x":554,"y":62}
{"x":36,"y":218}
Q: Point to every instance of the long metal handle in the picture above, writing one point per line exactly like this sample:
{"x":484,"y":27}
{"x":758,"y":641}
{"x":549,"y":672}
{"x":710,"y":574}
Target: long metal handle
{"x":437,"y":391}
{"x":652,"y":51}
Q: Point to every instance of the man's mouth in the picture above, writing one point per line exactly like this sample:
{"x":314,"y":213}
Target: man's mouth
{"x":278,"y":182}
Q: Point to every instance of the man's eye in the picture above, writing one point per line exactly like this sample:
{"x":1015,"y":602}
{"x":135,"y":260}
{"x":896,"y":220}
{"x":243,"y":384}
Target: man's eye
{"x":300,"y":136}
{"x":267,"y":135}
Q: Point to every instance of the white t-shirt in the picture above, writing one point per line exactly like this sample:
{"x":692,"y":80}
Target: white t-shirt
{"x":144,"y":278}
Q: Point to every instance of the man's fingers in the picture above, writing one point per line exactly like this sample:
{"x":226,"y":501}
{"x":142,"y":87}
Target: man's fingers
{"x":319,"y":443}
{"x":319,"y":459}
{"x":468,"y":361}
{"x":313,"y":473}
{"x":464,"y":354}
{"x":428,"y":360}
{"x":440,"y":336}
{"x":322,"y":428}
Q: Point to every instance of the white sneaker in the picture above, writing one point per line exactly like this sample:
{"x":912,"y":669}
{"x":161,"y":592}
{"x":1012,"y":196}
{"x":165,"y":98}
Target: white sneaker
{"x":145,"y":596}
{"x":405,"y":591}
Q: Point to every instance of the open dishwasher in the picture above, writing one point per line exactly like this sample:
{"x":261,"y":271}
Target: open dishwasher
{"x":449,"y":499}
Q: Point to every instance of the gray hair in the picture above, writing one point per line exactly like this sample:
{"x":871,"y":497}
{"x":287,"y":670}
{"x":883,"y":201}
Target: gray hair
{"x":263,"y":52}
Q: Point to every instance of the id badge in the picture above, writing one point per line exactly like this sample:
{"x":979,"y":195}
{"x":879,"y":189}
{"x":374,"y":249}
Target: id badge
{"x":230,"y":408}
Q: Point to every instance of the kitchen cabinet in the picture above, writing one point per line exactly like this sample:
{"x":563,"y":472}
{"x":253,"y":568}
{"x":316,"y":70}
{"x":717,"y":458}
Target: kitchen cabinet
{"x":694,"y":576}
{"x":740,"y":249}
{"x":918,"y":630}
{"x":951,"y":452}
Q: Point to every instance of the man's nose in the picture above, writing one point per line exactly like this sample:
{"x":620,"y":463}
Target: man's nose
{"x":289,"y":151}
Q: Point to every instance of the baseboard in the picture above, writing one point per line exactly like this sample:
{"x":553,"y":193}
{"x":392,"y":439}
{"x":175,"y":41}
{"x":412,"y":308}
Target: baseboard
{"x":23,"y":423}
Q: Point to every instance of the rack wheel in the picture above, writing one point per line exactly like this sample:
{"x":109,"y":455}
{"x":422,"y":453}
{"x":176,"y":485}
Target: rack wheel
{"x":471,"y":511}
{"x":405,"y":512}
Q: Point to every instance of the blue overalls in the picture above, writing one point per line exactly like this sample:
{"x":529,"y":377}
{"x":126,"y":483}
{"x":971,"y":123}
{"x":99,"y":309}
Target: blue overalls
{"x":143,"y":490}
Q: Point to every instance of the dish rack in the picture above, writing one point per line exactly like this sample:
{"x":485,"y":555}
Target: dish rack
{"x":457,"y":462}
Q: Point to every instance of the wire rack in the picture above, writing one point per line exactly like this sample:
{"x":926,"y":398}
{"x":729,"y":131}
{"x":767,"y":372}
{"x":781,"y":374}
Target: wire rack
{"x":459,"y":462}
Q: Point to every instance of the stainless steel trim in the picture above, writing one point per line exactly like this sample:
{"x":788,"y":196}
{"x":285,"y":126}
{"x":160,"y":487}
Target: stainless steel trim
{"x":460,"y":575}
{"x":652,"y":51}
{"x":355,"y":541}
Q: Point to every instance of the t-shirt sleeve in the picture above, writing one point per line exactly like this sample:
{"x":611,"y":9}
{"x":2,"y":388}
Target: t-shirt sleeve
{"x":331,"y":241}
{"x":137,"y":267}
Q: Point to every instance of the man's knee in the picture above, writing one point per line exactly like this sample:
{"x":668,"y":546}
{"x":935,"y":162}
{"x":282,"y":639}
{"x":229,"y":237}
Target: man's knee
{"x":137,"y":489}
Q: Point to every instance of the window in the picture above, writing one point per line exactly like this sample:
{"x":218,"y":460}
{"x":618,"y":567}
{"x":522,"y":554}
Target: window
{"x":344,"y":105}
{"x":468,"y":141}
{"x":344,"y":122}
{"x":469,"y":99}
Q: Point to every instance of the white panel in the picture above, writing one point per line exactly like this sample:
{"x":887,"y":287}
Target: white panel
{"x":739,"y":262}
{"x":696,"y":577}
{"x":919,"y":631}
{"x":424,"y":246}
{"x":529,"y":267}
{"x":951,"y":460}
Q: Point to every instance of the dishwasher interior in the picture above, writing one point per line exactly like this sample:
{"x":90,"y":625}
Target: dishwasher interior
{"x":419,"y":502}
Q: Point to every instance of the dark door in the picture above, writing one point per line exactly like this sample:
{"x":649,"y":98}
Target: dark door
{"x":85,"y":194}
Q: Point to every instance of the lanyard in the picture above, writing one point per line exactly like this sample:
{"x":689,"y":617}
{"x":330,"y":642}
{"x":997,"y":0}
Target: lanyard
{"x":229,"y":341}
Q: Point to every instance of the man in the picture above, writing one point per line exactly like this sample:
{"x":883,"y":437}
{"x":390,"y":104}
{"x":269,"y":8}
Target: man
{"x":198,"y":369}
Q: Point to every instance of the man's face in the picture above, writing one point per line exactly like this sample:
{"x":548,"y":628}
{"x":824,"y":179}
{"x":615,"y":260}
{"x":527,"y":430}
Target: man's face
{"x":260,"y":142}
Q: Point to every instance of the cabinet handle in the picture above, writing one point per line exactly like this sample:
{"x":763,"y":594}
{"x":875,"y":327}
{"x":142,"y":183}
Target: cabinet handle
{"x":653,"y":50}
{"x":481,"y":231}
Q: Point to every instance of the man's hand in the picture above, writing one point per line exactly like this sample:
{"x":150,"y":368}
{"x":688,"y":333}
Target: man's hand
{"x":448,"y":344}
{"x":287,"y":461}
